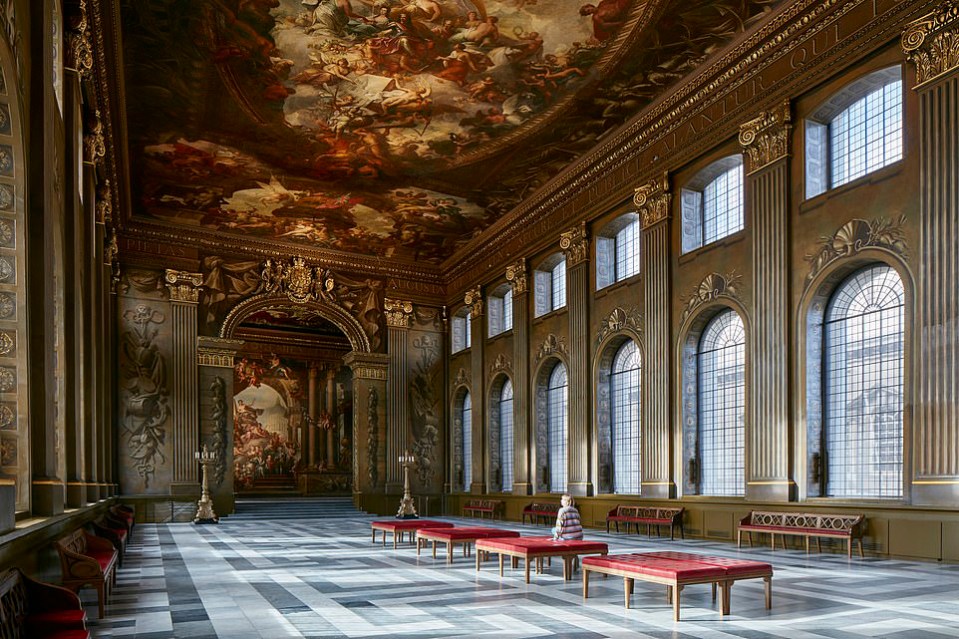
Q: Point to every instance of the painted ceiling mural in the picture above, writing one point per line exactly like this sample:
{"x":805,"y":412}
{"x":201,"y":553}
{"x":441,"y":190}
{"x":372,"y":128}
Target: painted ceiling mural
{"x":393,"y":128}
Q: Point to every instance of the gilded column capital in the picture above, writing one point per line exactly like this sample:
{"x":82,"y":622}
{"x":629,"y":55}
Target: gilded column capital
{"x":652,"y":201}
{"x":765,"y":138}
{"x":932,"y":42}
{"x":368,"y":366}
{"x":399,"y":313}
{"x":474,"y":300}
{"x":575,"y":245}
{"x":79,"y":39}
{"x":516,"y":276}
{"x":184,"y":287}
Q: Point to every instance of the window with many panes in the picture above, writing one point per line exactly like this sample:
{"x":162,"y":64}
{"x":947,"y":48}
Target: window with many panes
{"x":550,"y":283}
{"x":863,"y":368}
{"x":625,"y":383}
{"x":712,"y":203}
{"x":722,"y":404}
{"x":500,"y":310}
{"x":557,"y":427}
{"x":461,"y":325}
{"x":466,"y":418}
{"x":506,"y":436}
{"x":617,"y":250}
{"x":856,"y":132}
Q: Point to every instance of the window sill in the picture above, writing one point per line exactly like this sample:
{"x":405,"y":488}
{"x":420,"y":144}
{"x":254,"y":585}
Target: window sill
{"x":877,"y":176}
{"x":500,"y":335}
{"x":460,"y":351}
{"x":616,"y":286}
{"x":545,"y":316}
{"x":729,"y":240}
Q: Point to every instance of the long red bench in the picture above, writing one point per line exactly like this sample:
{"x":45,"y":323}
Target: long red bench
{"x":648,"y":516}
{"x":537,"y":511}
{"x":808,"y":525}
{"x":537,"y":548}
{"x":484,"y":507}
{"x":677,"y":570}
{"x":399,"y":528}
{"x":452,"y":536}
{"x":35,"y":610}
{"x":88,"y":560}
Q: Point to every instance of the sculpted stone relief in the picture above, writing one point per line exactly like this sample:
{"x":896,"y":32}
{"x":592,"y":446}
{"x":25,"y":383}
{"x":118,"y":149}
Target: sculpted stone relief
{"x":218,"y":416}
{"x":425,"y":405}
{"x":857,"y":235}
{"x":713,"y":287}
{"x":372,"y":436}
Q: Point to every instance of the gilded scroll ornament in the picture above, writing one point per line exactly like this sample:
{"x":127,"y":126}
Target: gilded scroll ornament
{"x":104,"y":206}
{"x":462,"y":378}
{"x":765,"y":138}
{"x":713,"y":286}
{"x":8,"y":343}
{"x":184,"y":287}
{"x":218,"y":418}
{"x":6,"y":271}
{"x":94,"y":142}
{"x":8,"y":379}
{"x":652,"y":201}
{"x":111,"y":256}
{"x":8,"y":416}
{"x":575,"y":245}
{"x":79,"y":39}
{"x":501,"y":364}
{"x":516,"y":276}
{"x":474,"y":300}
{"x":399,"y":313}
{"x":552,"y":345}
{"x":857,"y":235}
{"x":618,"y":320}
{"x":299,"y":281}
{"x":932,"y":42}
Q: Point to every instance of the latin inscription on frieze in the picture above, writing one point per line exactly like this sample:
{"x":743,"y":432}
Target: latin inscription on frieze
{"x":133,"y":245}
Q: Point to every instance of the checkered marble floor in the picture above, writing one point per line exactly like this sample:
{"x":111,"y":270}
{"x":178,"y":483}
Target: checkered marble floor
{"x":323,"y":578}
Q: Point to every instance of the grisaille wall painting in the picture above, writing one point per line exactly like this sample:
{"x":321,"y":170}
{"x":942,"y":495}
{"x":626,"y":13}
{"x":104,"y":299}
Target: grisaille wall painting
{"x":394,"y":128}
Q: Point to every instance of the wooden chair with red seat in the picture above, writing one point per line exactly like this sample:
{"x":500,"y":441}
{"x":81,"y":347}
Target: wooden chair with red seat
{"x":123,"y":513}
{"x":37,"y":610}
{"x":115,"y":531}
{"x":88,"y":560}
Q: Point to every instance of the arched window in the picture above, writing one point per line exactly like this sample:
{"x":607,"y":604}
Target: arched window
{"x":467,"y":420}
{"x":557,"y":427}
{"x":863,"y":365}
{"x":500,"y":310}
{"x":550,"y":282}
{"x":617,"y":251}
{"x":856,"y":132}
{"x":722,"y":404}
{"x":506,"y":436}
{"x":625,"y":420}
{"x":712,"y":203}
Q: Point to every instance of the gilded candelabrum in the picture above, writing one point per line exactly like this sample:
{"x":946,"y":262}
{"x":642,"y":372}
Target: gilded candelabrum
{"x":407,"y":509}
{"x":204,"y":512}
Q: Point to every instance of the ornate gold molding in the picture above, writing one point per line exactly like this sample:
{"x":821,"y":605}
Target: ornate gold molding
{"x":474,"y":300}
{"x":111,"y":256}
{"x":184,"y":287}
{"x":516,"y":276}
{"x":80,"y":44}
{"x":575,"y":245}
{"x":462,"y":378}
{"x":501,"y":364}
{"x":94,"y":142}
{"x":765,"y":138}
{"x":652,"y":201}
{"x":299,"y":281}
{"x":932,"y":42}
{"x":104,"y":206}
{"x":712,"y":287}
{"x":216,"y":351}
{"x":399,"y":313}
{"x":619,"y":320}
{"x":551,"y":345}
{"x":369,"y":366}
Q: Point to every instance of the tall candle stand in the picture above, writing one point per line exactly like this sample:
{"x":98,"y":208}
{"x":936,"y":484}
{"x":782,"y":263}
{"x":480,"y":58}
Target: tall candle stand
{"x":204,"y":512}
{"x":407,"y":509}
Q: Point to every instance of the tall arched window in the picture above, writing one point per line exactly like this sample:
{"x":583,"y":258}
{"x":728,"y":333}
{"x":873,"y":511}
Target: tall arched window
{"x":863,"y":364}
{"x":506,"y":435}
{"x":722,"y":404}
{"x":557,"y":427}
{"x":712,"y":203}
{"x":624,"y":381}
{"x":467,"y":421}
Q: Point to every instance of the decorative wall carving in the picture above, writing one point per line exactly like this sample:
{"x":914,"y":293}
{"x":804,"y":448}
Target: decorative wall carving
{"x":855,"y":236}
{"x":551,"y":345}
{"x":79,"y":40}
{"x":8,"y":343}
{"x":111,"y":256}
{"x":462,"y":378}
{"x":8,"y":306}
{"x":501,"y":364}
{"x":11,"y":32}
{"x":104,"y":206}
{"x":372,"y":436}
{"x":575,"y":245}
{"x":94,"y":143}
{"x":652,"y":201}
{"x":184,"y":287}
{"x":620,"y":319}
{"x":713,"y":286}
{"x":473,"y":298}
{"x":765,"y":138}
{"x":425,"y":406}
{"x":399,"y":313}
{"x":932,"y":42}
{"x":8,"y":379}
{"x":8,"y":416}
{"x":299,"y":281}
{"x":144,"y":391}
{"x":516,"y":276}
{"x":218,"y":417}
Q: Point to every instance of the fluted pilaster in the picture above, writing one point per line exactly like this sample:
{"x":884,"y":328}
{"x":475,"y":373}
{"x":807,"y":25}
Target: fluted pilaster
{"x":653,"y":201}
{"x":517,"y":277}
{"x":474,"y":300}
{"x":184,"y":291}
{"x":370,"y":374}
{"x":765,"y":142}
{"x":932,"y":44}
{"x":575,"y":245}
{"x":399,"y":315}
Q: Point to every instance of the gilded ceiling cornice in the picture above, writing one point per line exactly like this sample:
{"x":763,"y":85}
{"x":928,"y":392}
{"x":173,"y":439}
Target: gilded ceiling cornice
{"x":106,"y":72}
{"x":792,"y":27}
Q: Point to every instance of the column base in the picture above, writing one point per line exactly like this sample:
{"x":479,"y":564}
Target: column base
{"x":103,"y":490}
{"x":580,"y":489}
{"x":935,"y":491}
{"x":477,"y":488}
{"x":522,"y":488}
{"x":48,"y":496}
{"x":185,"y":489}
{"x":658,"y":490}
{"x":93,"y":493}
{"x":782,"y":490}
{"x":76,"y":494}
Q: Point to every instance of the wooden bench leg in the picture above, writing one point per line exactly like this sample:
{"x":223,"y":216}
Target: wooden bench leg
{"x":713,"y":584}
{"x":449,"y":552}
{"x":434,"y":549}
{"x":374,"y":535}
{"x":818,"y":545}
{"x":585,"y":583}
{"x":769,"y":592}
{"x":807,"y":544}
{"x":501,"y":564}
{"x":479,"y":559}
{"x":527,"y":569}
{"x":859,"y":541}
{"x":627,"y":589}
{"x":101,"y":594}
{"x":676,"y":592}
{"x":514,"y":562}
{"x":849,"y":547}
{"x":772,"y":539}
{"x":724,"y":604}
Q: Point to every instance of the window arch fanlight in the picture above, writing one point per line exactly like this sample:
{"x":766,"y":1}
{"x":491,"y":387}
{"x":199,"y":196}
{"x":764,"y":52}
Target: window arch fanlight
{"x":461,"y":337}
{"x":721,"y":405}
{"x":550,"y":283}
{"x":712,"y":203}
{"x":557,"y":427}
{"x":501,"y":434}
{"x":625,"y":419}
{"x":500,"y":310}
{"x":617,"y":250}
{"x":857,"y":131}
{"x":466,"y":419}
{"x":862,"y":395}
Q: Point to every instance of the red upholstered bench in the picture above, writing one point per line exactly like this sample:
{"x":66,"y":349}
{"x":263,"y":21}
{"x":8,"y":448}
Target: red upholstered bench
{"x":88,"y":560}
{"x":537,"y":511}
{"x":537,"y":548}
{"x":648,"y":516}
{"x":676,"y":570}
{"x":115,"y":531}
{"x":399,"y":528}
{"x":452,"y":536}
{"x":848,"y":527}
{"x":35,"y":610}
{"x":484,"y":507}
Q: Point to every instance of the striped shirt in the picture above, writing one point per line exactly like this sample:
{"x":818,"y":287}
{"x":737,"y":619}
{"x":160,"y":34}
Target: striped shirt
{"x":568,"y":525}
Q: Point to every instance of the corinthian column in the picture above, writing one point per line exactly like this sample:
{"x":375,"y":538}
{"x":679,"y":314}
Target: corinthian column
{"x":516,"y":276}
{"x":184,"y":401}
{"x":653,"y":201}
{"x":369,"y":401}
{"x":474,"y":300}
{"x":575,"y":245}
{"x":399,"y":316}
{"x":765,"y":142}
{"x":932,"y":45}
